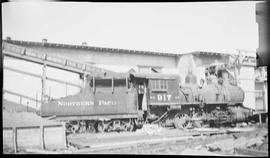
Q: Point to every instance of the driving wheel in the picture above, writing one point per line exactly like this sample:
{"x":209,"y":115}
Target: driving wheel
{"x":181,"y":121}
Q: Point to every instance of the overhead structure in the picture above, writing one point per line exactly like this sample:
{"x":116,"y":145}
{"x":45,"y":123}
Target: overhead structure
{"x":48,"y":60}
{"x":63,"y":63}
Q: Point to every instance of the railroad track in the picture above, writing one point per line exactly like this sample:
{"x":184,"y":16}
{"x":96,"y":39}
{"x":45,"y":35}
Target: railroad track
{"x":163,"y":142}
{"x":105,"y":142}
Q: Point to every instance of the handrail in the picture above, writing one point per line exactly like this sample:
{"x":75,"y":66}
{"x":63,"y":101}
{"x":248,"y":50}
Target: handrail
{"x":33,"y":126}
{"x":20,"y":95}
{"x":39,"y":76}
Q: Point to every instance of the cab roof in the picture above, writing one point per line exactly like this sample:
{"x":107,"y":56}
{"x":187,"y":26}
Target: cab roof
{"x":154,"y":76}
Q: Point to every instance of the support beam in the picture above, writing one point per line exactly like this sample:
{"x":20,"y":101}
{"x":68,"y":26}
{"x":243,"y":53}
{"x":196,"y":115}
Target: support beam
{"x":31,"y":55}
{"x":22,"y":72}
{"x":43,"y":83}
{"x":42,"y":146}
{"x":39,"y":76}
{"x":265,"y":95}
{"x":14,"y":135}
{"x":21,"y":96}
{"x":64,"y":135}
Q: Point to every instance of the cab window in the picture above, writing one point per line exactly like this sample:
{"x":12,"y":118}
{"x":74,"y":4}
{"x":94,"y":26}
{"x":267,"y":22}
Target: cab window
{"x":159,"y":85}
{"x":119,"y":83}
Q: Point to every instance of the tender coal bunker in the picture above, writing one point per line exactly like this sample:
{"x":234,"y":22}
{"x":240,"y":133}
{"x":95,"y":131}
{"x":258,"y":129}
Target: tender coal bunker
{"x":119,"y":82}
{"x":108,"y":82}
{"x":103,"y":83}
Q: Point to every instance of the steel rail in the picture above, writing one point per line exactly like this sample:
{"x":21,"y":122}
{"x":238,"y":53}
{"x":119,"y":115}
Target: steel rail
{"x":172,"y":138}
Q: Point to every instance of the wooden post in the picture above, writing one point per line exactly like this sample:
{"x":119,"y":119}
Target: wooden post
{"x":20,"y":100}
{"x":260,"y":118}
{"x":43,"y":80}
{"x":64,"y":135}
{"x":42,"y":137}
{"x":14,"y":136}
{"x":265,"y":96}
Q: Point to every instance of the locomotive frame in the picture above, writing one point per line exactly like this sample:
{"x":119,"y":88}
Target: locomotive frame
{"x":126,"y":103}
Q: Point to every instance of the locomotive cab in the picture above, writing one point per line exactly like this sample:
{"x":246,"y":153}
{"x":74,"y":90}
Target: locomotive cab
{"x":156,"y":93}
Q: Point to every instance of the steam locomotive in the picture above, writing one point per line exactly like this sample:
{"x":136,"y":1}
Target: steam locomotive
{"x":128,"y":102}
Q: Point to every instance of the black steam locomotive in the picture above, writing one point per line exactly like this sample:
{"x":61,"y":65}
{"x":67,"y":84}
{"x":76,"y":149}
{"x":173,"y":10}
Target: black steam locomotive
{"x":127,"y":102}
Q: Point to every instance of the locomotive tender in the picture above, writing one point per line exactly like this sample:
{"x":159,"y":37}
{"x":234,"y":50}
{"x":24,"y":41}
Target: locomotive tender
{"x":126,"y":103}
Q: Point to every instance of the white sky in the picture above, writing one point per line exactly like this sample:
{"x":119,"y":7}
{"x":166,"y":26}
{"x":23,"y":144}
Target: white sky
{"x":163,"y":27}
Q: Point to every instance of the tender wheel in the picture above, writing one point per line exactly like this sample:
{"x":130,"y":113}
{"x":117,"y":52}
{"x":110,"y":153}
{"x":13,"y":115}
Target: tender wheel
{"x":131,"y":127}
{"x":100,"y":127}
{"x":181,"y":121}
{"x":82,"y":127}
{"x":91,"y":128}
{"x":69,"y":128}
{"x":75,"y":129}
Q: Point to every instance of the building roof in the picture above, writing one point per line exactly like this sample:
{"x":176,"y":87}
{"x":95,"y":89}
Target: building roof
{"x":154,"y":75}
{"x":85,"y":47}
{"x":207,"y":53}
{"x":112,"y":50}
{"x":246,"y":53}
